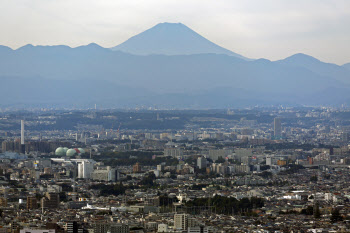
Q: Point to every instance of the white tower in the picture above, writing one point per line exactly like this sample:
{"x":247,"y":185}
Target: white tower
{"x":22,"y":132}
{"x":23,"y":148}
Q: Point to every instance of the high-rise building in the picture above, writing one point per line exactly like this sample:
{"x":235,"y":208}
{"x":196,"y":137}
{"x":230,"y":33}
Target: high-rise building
{"x":173,"y":152}
{"x":13,"y":146}
{"x":28,"y":230}
{"x":215,"y":154}
{"x":32,"y":203}
{"x":14,"y":227}
{"x":281,"y":162}
{"x":201,"y":162}
{"x":136,"y":168}
{"x":240,"y":169}
{"x":277,"y":128}
{"x":3,"y":202}
{"x":103,"y":227}
{"x":107,"y":174}
{"x":119,"y":228}
{"x":72,"y":227}
{"x":22,"y":132}
{"x":268,"y":160}
{"x":160,"y":167}
{"x":246,"y":160}
{"x":198,"y":229}
{"x":23,"y":147}
{"x":85,"y":169}
{"x":50,"y":201}
{"x":100,"y":227}
{"x":181,"y":221}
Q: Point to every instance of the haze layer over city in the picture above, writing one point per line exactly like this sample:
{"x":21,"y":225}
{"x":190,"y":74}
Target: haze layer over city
{"x":174,"y":116}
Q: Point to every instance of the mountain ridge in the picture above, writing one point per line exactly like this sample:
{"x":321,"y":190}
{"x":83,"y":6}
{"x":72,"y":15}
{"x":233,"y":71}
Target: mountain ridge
{"x":171,"y":39}
{"x":156,"y":76}
{"x":94,"y":74}
{"x":340,"y":73}
{"x":347,"y":66}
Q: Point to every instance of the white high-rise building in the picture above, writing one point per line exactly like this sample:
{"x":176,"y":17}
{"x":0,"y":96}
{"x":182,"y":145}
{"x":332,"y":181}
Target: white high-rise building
{"x":85,"y":168}
{"x":23,"y":148}
{"x":201,"y":162}
{"x":268,"y":160}
{"x":22,"y":132}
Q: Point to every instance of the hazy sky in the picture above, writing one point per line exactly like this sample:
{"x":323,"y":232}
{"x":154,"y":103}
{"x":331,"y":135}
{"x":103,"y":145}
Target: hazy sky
{"x":272,"y":29}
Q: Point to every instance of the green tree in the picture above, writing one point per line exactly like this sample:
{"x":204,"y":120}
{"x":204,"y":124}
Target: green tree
{"x":313,"y":179}
{"x":336,"y":217}
{"x":148,"y":180}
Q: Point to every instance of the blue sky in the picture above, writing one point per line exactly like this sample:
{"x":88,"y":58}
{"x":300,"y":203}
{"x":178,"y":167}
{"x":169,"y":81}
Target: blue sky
{"x":273,"y":29}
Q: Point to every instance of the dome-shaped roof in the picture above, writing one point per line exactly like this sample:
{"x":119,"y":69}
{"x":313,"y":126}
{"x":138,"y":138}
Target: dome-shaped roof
{"x":71,"y":152}
{"x":65,"y":149}
{"x":59,"y":151}
{"x":77,"y":150}
{"x":82,"y":151}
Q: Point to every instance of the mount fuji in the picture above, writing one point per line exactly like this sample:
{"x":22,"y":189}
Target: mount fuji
{"x":171,"y":39}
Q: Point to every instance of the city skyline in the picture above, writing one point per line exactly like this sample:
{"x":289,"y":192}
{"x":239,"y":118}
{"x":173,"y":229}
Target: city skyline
{"x":174,"y":116}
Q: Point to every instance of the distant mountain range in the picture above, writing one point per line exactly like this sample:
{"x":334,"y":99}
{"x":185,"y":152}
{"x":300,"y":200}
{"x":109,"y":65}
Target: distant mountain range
{"x":347,"y":66}
{"x":166,"y":66}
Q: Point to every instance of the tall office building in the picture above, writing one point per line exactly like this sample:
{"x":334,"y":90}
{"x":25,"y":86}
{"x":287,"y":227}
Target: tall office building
{"x":277,"y":128}
{"x":85,"y":169}
{"x":201,"y":162}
